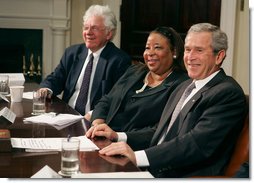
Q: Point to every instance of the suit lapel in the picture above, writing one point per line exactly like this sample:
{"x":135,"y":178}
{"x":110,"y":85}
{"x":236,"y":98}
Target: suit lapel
{"x":177,"y":126}
{"x":170,"y":106}
{"x":98,"y":77}
{"x":168,"y":110}
{"x":76,"y":70}
{"x":131,"y":80}
{"x":168,"y":82}
{"x":100,"y":69}
{"x":150,"y":92}
{"x":128,"y":81}
{"x":179,"y":122}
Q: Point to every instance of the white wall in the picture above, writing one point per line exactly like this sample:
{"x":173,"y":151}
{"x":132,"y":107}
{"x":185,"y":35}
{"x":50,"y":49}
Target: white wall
{"x":78,"y":9}
{"x":241,"y":69}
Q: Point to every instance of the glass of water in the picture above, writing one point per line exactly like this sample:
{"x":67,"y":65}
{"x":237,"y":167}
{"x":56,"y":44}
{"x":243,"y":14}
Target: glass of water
{"x":70,"y":157}
{"x":4,"y":84}
{"x":39,"y":103}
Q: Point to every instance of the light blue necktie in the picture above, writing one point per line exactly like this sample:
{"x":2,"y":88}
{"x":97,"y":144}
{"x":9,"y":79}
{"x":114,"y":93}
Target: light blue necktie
{"x":178,"y":108}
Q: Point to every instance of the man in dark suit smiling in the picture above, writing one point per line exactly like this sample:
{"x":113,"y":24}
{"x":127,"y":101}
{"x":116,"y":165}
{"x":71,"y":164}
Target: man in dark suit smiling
{"x":109,"y":62}
{"x":200,"y":139}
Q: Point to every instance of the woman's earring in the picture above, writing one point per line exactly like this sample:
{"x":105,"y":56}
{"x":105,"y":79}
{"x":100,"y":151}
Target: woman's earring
{"x":174,"y":56}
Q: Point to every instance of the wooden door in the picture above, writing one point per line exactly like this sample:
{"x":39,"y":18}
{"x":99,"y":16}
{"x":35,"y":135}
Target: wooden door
{"x":139,"y":17}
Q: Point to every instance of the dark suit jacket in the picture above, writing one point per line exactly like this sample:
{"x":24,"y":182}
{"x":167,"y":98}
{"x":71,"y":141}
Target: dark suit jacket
{"x":144,"y":109}
{"x":200,"y":141}
{"x":111,"y":65}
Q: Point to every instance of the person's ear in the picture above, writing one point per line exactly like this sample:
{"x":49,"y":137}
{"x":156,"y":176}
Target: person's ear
{"x":220,"y":57}
{"x":109,"y":35}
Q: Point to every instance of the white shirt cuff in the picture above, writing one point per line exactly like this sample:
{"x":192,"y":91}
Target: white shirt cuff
{"x":50,"y":92}
{"x":141,"y":159}
{"x":122,"y":137}
{"x":90,"y":112}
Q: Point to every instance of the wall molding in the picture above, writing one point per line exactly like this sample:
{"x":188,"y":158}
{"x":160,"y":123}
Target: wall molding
{"x":52,"y":16}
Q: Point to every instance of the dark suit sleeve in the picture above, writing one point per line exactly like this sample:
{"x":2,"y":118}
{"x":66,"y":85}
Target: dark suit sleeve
{"x":101,"y":110}
{"x":122,"y":65}
{"x":118,"y":63}
{"x":140,"y":139}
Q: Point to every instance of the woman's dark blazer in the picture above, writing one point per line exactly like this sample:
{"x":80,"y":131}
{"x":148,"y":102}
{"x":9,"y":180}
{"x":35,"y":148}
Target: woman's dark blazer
{"x":112,"y":63}
{"x":146,"y":107}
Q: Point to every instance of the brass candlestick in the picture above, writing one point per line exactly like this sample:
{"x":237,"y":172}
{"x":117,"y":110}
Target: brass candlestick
{"x":31,"y":68}
{"x":39,"y":66}
{"x":24,"y":65}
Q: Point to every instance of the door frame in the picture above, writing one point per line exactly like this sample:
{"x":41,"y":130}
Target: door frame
{"x":227,"y":24}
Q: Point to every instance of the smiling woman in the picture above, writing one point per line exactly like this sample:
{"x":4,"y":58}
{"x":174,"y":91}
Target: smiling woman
{"x":144,"y":84}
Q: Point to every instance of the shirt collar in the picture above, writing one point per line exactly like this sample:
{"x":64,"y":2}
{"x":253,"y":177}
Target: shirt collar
{"x":97,"y":53}
{"x":202,"y":82}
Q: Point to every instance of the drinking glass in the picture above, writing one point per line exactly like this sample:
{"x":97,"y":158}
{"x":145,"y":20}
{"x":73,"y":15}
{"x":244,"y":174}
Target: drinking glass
{"x":4,"y":80}
{"x":70,"y":156}
{"x":39,"y":103}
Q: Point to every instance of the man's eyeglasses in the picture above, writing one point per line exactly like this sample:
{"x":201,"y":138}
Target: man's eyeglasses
{"x":93,"y":28}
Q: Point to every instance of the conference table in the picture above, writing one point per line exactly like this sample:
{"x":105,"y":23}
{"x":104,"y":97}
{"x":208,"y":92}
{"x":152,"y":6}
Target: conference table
{"x":17,"y":163}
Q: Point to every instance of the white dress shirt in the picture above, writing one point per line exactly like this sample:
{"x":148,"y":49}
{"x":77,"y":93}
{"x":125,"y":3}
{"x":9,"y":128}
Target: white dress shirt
{"x":74,"y":97}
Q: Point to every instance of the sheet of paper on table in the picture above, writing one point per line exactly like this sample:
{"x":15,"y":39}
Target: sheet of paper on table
{"x":118,"y":175}
{"x":49,"y":144}
{"x":59,"y":121}
{"x":7,"y":115}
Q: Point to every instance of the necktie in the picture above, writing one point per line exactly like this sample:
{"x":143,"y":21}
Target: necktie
{"x":178,"y":108}
{"x":83,"y":93}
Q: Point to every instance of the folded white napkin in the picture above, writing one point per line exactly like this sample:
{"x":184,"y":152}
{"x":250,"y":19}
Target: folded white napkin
{"x":46,"y":172}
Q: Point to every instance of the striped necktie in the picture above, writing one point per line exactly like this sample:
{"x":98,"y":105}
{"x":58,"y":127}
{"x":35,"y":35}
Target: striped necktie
{"x":83,"y":93}
{"x":178,"y":108}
